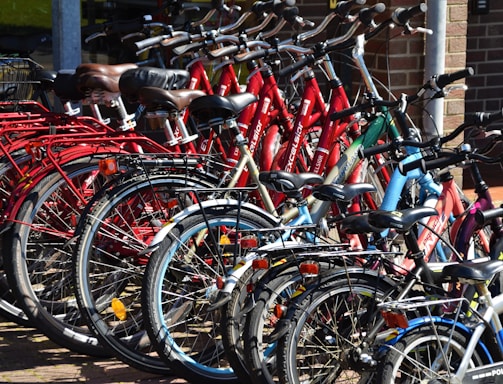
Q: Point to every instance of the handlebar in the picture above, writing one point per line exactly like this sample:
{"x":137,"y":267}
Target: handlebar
{"x":484,"y":217}
{"x":443,"y":79}
{"x":401,"y":16}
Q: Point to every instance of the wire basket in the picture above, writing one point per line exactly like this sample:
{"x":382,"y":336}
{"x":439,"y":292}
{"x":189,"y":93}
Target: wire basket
{"x":17,"y":78}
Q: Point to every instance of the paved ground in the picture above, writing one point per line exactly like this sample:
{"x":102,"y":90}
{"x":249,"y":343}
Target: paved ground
{"x":27,"y":356}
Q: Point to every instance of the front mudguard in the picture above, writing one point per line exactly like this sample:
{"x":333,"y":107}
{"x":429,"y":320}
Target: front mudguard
{"x":400,"y":333}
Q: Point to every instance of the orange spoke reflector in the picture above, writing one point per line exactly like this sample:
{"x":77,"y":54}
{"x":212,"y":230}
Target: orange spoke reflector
{"x":220,"y":282}
{"x":309,"y":268}
{"x":224,"y":240}
{"x":119,"y":309}
{"x":108,"y":166}
{"x":260,"y":263}
{"x":280,"y":310}
{"x":395,"y":319}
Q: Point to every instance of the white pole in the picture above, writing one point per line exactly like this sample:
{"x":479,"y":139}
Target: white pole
{"x":436,"y":20}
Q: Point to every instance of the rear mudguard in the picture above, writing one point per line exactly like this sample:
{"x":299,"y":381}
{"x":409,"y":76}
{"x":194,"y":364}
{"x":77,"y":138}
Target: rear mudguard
{"x":197,"y":208}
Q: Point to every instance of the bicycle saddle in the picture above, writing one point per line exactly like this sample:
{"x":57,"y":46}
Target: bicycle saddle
{"x":358,"y":224}
{"x":158,"y":98}
{"x":401,"y":220}
{"x":112,"y":70}
{"x":132,"y":80}
{"x":223,"y":107}
{"x":286,"y":182}
{"x":475,"y":271}
{"x":341,"y":192}
{"x":65,"y":86}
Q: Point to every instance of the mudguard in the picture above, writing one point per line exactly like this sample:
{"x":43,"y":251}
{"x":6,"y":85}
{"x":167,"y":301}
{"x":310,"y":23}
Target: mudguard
{"x":196,"y":208}
{"x":420,"y":321}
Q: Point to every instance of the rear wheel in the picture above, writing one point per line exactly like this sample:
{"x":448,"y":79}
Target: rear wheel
{"x":109,"y":268}
{"x":180,"y":282}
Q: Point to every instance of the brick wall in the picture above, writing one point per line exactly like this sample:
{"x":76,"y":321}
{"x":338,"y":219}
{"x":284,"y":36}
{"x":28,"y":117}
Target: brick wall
{"x":485,"y":55}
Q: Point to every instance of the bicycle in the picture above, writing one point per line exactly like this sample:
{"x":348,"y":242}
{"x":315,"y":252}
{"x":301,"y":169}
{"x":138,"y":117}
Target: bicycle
{"x":317,"y":298}
{"x":460,"y":346}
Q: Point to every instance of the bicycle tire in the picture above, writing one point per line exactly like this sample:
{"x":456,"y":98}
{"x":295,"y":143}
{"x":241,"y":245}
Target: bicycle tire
{"x":42,"y":281}
{"x":329,"y":335}
{"x":408,"y":360}
{"x":188,"y":278}
{"x":109,"y":236}
{"x":9,"y":308}
{"x":260,"y":322}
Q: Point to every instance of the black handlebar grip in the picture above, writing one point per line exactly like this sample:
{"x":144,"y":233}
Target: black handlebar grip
{"x":290,"y":14}
{"x":366,"y":15}
{"x":343,"y":7}
{"x":349,"y":111}
{"x":376,"y":149}
{"x":488,"y":118}
{"x":309,"y":59}
{"x":426,"y":165}
{"x":401,"y":16}
{"x":260,"y":7}
{"x":448,"y":78}
{"x":482,"y":217}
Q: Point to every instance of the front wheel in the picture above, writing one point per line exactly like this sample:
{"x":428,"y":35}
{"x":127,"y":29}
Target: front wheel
{"x":427,"y":355}
{"x":179,"y":284}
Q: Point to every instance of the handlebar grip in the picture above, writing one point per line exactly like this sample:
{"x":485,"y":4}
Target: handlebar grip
{"x":224,"y":51}
{"x":401,"y":16}
{"x":447,"y":78}
{"x":482,"y":217}
{"x":349,"y":111}
{"x":296,"y":66}
{"x":260,"y":7}
{"x":150,"y":42}
{"x":483,"y":119}
{"x":426,"y":165}
{"x":343,"y":7}
{"x":253,"y":55}
{"x":376,"y":149}
{"x":290,"y":14}
{"x":366,"y":15}
{"x":180,"y":50}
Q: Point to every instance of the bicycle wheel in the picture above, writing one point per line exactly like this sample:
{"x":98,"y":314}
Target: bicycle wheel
{"x":179,"y":282}
{"x":9,"y":308}
{"x":327,"y":327}
{"x":428,"y":355}
{"x":108,"y":268}
{"x":38,"y":251}
{"x":260,"y":356}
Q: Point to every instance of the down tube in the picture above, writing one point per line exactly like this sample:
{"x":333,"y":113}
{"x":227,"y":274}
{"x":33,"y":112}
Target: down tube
{"x":349,"y":159}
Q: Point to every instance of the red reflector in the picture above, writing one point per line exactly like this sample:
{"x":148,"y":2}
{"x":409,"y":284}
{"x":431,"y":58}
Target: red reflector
{"x":260,"y":263}
{"x":395,"y":319}
{"x":248,"y":242}
{"x":309,"y":268}
{"x":220,"y":282}
{"x":108,"y":167}
{"x":250,"y":287}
